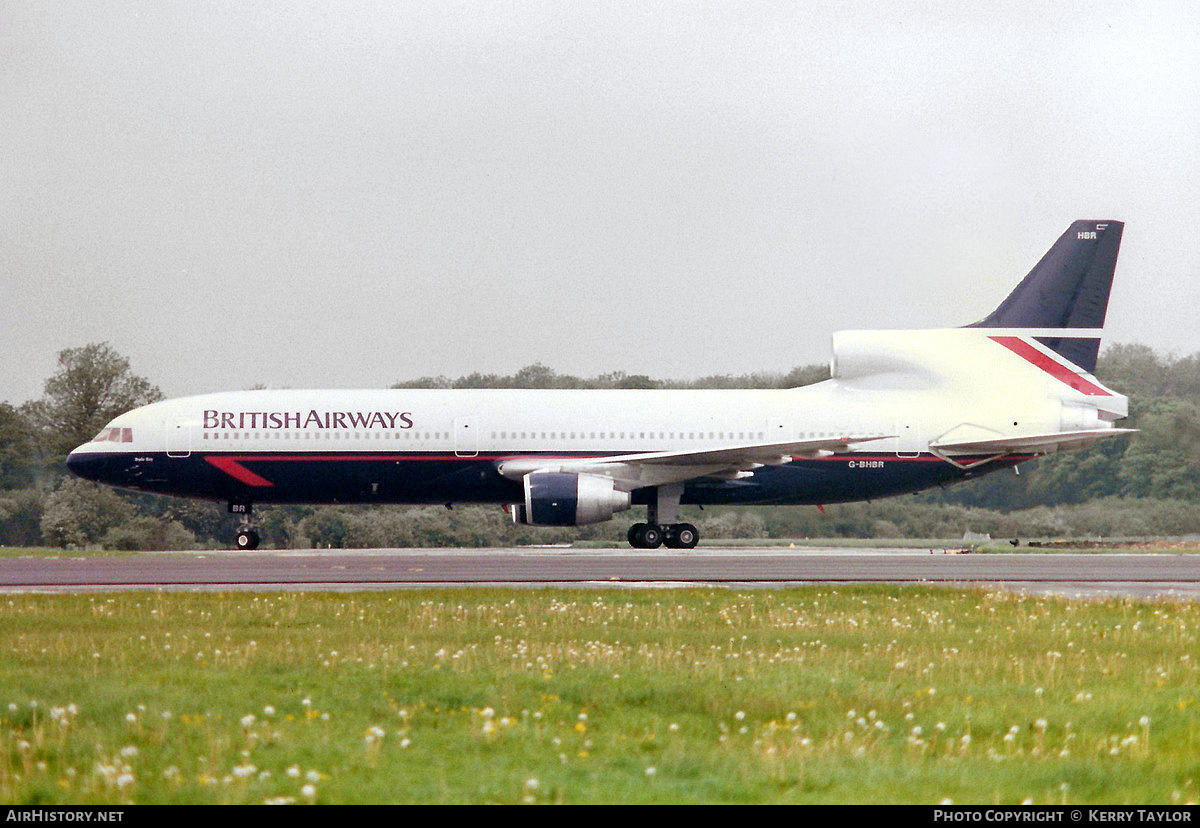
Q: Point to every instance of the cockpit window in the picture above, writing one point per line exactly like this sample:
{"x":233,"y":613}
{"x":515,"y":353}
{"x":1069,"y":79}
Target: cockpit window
{"x":114,"y":435}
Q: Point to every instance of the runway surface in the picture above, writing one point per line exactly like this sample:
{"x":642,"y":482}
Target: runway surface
{"x":1069,"y":574}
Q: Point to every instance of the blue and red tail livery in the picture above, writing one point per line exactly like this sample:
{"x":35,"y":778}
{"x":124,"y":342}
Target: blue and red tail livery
{"x":1066,"y":293}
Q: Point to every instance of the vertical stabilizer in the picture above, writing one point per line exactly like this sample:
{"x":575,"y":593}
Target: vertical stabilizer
{"x":1068,"y":291}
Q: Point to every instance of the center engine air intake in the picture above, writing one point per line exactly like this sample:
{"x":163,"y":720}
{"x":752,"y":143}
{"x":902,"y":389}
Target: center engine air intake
{"x":563,"y":499}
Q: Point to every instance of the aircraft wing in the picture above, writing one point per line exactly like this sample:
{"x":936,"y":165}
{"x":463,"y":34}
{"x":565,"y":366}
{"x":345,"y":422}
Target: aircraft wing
{"x":631,"y":471}
{"x":1031,"y":443}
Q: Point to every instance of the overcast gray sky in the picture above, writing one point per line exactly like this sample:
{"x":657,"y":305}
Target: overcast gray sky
{"x":348,"y":194}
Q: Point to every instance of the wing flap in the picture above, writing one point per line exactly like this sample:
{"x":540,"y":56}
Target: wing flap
{"x":1030,"y":443}
{"x":748,"y":453}
{"x":656,"y":468}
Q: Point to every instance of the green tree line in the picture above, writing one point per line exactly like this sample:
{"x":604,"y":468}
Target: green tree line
{"x":1147,"y":485}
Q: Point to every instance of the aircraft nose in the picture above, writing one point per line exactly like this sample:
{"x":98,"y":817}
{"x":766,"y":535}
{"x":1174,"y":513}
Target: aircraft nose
{"x":84,"y":465}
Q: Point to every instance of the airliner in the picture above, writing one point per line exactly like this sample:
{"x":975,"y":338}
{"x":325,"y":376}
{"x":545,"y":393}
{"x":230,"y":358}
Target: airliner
{"x":903,"y":410}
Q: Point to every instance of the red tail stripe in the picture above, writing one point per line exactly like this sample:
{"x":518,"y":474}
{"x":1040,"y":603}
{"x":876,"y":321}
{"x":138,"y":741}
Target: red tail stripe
{"x":1052,"y":367}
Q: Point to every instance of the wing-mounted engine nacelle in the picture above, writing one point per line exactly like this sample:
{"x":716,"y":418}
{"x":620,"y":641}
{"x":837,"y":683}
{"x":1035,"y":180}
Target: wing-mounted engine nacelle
{"x":564,"y":499}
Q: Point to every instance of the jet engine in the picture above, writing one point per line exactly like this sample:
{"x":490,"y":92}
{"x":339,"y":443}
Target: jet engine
{"x":564,"y":499}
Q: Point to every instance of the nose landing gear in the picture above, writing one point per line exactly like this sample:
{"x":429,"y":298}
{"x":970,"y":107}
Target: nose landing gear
{"x":247,"y":538}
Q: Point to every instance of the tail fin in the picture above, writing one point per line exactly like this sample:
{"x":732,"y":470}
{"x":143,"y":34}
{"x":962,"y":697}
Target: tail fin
{"x":1068,"y":289}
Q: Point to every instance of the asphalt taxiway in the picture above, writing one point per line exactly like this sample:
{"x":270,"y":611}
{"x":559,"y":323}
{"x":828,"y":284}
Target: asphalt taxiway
{"x":1174,"y":575}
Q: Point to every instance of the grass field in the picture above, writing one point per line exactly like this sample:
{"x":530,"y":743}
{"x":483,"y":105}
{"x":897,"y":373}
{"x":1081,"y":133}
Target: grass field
{"x":822,"y":694}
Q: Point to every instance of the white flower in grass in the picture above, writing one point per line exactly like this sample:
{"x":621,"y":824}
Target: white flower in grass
{"x":308,"y":792}
{"x":268,"y":710}
{"x":293,"y":772}
{"x":313,"y":776}
{"x":248,"y":720}
{"x":131,"y":718}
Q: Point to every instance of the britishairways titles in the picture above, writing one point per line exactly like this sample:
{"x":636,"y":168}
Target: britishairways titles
{"x":310,"y":419}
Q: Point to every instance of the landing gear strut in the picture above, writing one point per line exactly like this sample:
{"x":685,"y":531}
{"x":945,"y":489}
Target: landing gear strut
{"x":247,"y":538}
{"x":664,"y":507}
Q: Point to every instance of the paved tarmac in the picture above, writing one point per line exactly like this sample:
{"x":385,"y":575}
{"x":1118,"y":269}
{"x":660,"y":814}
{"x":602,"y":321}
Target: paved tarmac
{"x":1144,"y":575}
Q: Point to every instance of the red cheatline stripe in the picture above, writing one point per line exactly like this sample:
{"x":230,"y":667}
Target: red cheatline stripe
{"x":239,"y":472}
{"x":1051,"y":366}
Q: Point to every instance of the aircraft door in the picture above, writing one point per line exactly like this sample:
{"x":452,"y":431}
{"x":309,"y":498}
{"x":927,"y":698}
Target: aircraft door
{"x":179,"y":439}
{"x":466,"y":436}
{"x":908,"y":439}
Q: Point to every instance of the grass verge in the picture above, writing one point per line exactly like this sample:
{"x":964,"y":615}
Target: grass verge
{"x":821,"y":694}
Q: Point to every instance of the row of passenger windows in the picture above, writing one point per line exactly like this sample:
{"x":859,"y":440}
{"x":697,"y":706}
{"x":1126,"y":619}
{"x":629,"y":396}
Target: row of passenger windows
{"x":503,"y":435}
{"x":628,"y":435}
{"x":327,"y":435}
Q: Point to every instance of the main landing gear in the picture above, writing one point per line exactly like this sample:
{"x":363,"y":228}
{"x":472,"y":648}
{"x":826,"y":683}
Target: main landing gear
{"x":672,"y":536}
{"x":247,"y":538}
{"x":664,"y":507}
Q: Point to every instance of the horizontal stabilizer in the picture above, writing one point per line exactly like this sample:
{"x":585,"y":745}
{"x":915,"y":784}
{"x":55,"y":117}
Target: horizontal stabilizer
{"x":1031,"y":443}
